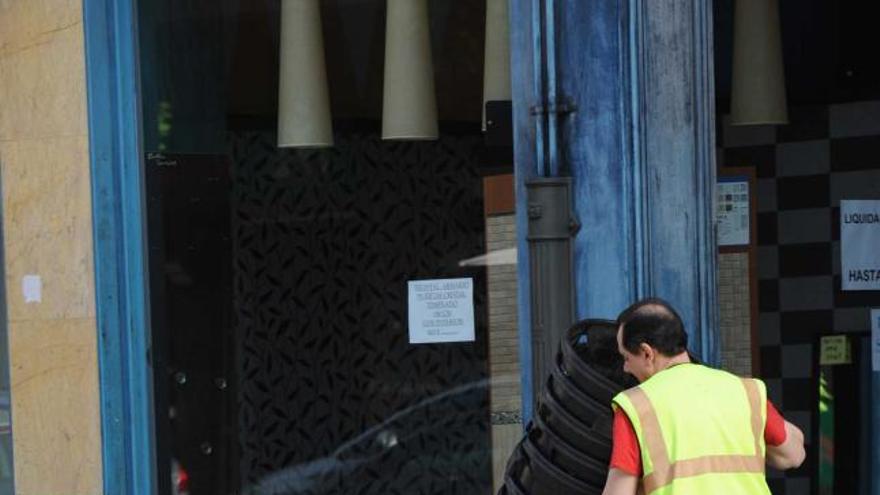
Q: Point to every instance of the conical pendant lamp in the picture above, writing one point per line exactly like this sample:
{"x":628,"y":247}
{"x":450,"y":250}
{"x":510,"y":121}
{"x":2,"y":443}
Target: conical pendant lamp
{"x":758,"y":93}
{"x":409,"y":106}
{"x":303,"y":101}
{"x":496,"y":64}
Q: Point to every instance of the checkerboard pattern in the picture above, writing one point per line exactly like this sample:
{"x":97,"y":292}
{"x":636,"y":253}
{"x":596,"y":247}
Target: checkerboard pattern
{"x":804,"y":169}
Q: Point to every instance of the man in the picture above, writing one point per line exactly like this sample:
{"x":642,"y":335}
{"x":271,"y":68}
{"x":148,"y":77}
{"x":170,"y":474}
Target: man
{"x":687,"y":428}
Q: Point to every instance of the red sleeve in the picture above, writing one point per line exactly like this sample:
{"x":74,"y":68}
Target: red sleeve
{"x":774,"y":430}
{"x":625,"y":453}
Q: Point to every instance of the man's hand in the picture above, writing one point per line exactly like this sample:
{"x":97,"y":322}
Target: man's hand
{"x":791,"y":453}
{"x":620,"y":483}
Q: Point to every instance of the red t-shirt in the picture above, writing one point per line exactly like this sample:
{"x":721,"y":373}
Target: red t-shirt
{"x":626,"y":456}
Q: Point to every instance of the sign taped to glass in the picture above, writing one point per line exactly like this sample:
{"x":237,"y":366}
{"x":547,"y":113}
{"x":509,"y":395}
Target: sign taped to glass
{"x":441,"y":310}
{"x":860,"y":244}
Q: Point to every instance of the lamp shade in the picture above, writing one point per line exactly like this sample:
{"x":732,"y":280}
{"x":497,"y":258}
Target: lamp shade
{"x":409,"y":107}
{"x":303,"y":101}
{"x":758,"y":86}
{"x":496,"y":64}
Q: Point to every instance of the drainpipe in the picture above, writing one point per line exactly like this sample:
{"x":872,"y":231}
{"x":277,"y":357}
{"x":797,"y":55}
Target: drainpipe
{"x":552,"y":226}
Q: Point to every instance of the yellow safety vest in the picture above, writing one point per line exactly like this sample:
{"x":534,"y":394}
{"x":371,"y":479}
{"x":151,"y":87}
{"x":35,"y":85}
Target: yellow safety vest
{"x":700,"y":431}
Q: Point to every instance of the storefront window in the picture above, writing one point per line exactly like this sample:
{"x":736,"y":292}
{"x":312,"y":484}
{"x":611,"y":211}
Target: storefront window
{"x":325,"y":320}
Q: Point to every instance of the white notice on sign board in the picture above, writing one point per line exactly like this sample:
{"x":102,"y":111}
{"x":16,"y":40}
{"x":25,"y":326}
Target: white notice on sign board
{"x":441,"y":310}
{"x":733,"y":211}
{"x":875,"y":339}
{"x":860,"y":244}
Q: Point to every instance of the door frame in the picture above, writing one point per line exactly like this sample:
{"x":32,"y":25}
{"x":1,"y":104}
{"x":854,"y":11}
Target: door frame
{"x":119,"y":227}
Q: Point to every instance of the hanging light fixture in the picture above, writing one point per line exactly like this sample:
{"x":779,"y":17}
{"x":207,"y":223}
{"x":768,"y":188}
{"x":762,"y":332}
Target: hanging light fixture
{"x":758,"y":92}
{"x":496,"y":60}
{"x":409,"y":107}
{"x":303,"y":100}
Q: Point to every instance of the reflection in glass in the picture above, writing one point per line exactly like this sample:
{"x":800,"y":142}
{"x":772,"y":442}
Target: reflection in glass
{"x":279,"y":276}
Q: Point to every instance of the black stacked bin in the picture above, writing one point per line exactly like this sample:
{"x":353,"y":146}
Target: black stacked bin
{"x":567,"y":445}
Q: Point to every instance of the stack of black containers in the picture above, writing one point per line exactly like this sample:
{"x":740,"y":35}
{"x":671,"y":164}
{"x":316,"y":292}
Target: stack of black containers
{"x":567,"y":445}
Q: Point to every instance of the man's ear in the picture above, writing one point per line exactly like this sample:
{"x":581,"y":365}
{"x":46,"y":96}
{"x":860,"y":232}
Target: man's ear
{"x":646,"y":351}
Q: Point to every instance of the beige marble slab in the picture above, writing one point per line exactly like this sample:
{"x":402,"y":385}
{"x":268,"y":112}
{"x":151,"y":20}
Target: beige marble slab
{"x":55,"y":407}
{"x":48,"y":227}
{"x":25,"y":22}
{"x":42,"y":87}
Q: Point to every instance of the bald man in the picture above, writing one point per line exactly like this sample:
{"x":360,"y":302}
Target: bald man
{"x":687,"y":428}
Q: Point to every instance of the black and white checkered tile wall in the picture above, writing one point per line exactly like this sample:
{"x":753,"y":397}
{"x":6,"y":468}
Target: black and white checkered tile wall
{"x":804,"y":169}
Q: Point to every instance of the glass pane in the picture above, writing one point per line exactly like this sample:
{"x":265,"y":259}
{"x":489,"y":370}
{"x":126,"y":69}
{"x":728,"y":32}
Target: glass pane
{"x":337,"y":320}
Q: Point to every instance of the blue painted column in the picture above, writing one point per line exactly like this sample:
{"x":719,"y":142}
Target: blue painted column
{"x":526,"y":85}
{"x":639,"y":145}
{"x":672,"y":159}
{"x":119,"y":243}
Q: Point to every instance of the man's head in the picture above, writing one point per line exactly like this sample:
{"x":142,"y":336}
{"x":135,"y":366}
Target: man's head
{"x":650,"y":336}
{"x":599,"y":350}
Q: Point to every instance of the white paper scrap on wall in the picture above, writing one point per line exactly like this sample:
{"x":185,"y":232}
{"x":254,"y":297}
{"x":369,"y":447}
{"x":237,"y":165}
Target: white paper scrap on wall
{"x":441,"y":310}
{"x":875,"y":339}
{"x":32,"y":288}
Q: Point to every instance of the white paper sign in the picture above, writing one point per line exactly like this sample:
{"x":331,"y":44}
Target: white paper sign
{"x":32,"y":289}
{"x":875,"y":339}
{"x":441,"y":310}
{"x":860,"y":244}
{"x":733,"y":211}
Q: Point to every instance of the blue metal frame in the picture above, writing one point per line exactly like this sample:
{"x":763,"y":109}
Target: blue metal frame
{"x":111,"y":51}
{"x":527,"y":87}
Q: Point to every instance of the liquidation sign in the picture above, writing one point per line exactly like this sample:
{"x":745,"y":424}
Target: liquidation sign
{"x":860,"y":244}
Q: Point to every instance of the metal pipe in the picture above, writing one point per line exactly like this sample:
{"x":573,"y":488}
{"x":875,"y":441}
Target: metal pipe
{"x":551,"y":115}
{"x":551,"y":226}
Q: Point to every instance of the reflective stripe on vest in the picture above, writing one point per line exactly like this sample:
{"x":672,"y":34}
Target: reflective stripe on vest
{"x":665,"y":472}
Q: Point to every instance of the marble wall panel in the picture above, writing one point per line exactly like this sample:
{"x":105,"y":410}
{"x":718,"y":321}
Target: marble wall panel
{"x":48,"y":229}
{"x":42,"y":87}
{"x":44,"y":161}
{"x":55,"y":407}
{"x":26,"y":22}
